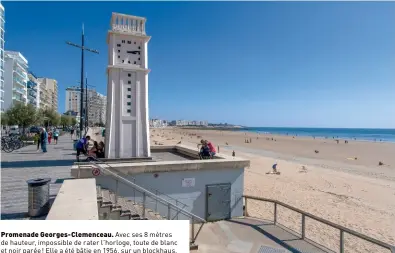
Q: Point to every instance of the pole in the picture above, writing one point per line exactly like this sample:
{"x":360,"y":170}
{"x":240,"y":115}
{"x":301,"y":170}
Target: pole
{"x":86,"y":104}
{"x":82,"y":80}
{"x":83,"y":48}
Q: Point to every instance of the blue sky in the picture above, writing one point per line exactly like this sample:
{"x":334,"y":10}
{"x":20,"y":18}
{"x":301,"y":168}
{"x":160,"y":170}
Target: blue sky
{"x":308,"y":64}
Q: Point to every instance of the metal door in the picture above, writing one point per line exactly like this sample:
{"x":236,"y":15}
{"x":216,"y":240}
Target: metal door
{"x":218,"y":202}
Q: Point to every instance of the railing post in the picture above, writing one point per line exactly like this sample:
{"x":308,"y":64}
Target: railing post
{"x":143,"y":205}
{"x":168,"y":211}
{"x":275,"y":213}
{"x":177,"y":210}
{"x":341,"y":241}
{"x":134,"y":192}
{"x":116,"y":191}
{"x":245,"y":206}
{"x":156,"y":201}
{"x":193,"y":231}
{"x":303,"y":225}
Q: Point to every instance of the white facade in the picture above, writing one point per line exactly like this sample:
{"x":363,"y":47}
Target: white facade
{"x":33,"y":90}
{"x":127,"y":123}
{"x":97,"y":104}
{"x":97,"y":109}
{"x":2,"y":21}
{"x":49,"y":96}
{"x":15,"y":79}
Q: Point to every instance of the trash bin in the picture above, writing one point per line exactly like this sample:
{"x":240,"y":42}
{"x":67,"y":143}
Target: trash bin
{"x":38,"y":192}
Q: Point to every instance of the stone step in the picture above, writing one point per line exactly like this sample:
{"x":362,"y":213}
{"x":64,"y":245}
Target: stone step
{"x":135,"y":209}
{"x":126,"y":209}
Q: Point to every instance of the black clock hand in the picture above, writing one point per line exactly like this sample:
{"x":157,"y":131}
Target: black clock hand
{"x":133,"y":52}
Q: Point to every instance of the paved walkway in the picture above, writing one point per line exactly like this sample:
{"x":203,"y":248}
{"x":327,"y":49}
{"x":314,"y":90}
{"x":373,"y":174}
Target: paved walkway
{"x":27,"y":163}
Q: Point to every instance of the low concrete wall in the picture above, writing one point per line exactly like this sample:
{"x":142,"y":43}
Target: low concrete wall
{"x":76,"y":200}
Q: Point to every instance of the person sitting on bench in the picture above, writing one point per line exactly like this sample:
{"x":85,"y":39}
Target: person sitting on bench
{"x":100,"y":150}
{"x":93,"y":151}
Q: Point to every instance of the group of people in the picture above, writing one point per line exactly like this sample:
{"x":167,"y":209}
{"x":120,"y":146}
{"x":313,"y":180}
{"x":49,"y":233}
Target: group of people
{"x":82,"y":146}
{"x":43,"y":137}
{"x":207,"y":149}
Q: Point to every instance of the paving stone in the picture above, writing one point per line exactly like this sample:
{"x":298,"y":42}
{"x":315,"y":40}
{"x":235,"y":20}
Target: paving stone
{"x":26,"y":163}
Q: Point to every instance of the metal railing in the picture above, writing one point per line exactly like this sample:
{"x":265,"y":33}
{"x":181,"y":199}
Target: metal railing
{"x":133,"y":179}
{"x":173,"y":211}
{"x":304,"y":214}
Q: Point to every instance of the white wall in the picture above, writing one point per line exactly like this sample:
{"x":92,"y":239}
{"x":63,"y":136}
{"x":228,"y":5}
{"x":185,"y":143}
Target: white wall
{"x":127,"y":98}
{"x":169,"y":183}
{"x":8,"y":83}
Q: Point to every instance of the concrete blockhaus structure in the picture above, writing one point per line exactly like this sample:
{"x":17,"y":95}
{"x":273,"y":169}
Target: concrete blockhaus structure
{"x":210,"y":189}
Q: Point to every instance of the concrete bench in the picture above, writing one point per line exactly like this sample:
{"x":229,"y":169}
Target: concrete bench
{"x":76,"y":200}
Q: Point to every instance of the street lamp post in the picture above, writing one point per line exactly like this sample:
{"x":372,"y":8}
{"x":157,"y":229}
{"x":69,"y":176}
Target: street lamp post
{"x":86,"y":105}
{"x":83,"y":48}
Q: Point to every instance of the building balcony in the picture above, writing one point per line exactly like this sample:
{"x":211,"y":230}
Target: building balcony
{"x":21,"y":74}
{"x":32,"y":95}
{"x":18,"y":99}
{"x":19,"y":90}
{"x":19,"y":82}
{"x":33,"y":102}
{"x":22,"y":67}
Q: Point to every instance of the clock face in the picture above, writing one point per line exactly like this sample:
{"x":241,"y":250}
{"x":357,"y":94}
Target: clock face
{"x":128,"y":50}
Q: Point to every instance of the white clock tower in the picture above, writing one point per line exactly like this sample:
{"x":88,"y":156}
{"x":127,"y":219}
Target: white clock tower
{"x":127,"y":124}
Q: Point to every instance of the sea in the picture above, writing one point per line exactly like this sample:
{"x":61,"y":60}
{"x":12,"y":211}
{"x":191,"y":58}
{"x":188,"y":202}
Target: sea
{"x":360,"y":134}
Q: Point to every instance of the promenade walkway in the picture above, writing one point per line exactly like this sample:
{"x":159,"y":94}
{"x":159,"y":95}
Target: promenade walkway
{"x":27,"y":163}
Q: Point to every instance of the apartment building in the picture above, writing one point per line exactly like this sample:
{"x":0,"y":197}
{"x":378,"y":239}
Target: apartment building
{"x":2,"y":22}
{"x":157,"y":123}
{"x":49,"y":94}
{"x":15,"y":79}
{"x":33,"y":90}
{"x":189,"y":123}
{"x":97,"y":104}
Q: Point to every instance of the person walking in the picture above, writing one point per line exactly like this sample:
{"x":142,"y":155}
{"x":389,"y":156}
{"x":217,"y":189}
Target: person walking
{"x":49,"y":137}
{"x":71,"y":133}
{"x":37,"y":138}
{"x":44,"y":140}
{"x":55,"y":135}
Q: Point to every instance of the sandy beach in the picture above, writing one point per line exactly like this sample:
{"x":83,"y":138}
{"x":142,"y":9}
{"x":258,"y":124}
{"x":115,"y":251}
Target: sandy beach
{"x":358,"y":194}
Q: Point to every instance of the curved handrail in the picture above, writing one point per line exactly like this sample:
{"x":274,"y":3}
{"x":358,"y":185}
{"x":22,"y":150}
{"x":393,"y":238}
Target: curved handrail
{"x":329,"y":223}
{"x":152,"y":195}
{"x":134,"y":181}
